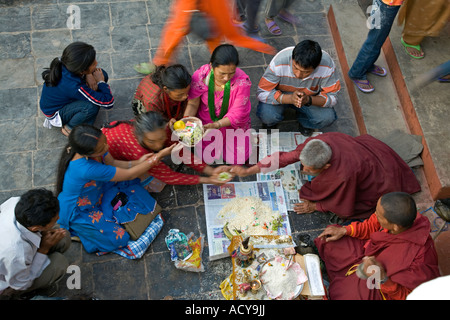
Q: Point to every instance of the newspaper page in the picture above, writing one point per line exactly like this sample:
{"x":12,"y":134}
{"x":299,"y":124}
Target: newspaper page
{"x":290,"y":176}
{"x":216,"y":197}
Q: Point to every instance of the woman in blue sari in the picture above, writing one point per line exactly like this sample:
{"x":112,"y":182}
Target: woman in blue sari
{"x":98,"y":194}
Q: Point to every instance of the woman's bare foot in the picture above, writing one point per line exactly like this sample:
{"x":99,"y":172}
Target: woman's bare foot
{"x":414,"y":52}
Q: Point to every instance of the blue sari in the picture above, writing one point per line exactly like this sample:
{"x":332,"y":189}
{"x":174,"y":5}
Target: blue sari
{"x":86,"y":209}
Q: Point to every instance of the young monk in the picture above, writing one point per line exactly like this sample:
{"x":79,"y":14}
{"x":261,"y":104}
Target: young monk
{"x":395,"y":242}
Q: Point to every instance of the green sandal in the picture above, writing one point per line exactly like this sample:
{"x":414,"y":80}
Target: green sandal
{"x":144,"y":68}
{"x":417,"y":47}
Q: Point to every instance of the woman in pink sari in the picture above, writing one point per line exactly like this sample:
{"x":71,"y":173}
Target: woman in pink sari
{"x":220,"y":98}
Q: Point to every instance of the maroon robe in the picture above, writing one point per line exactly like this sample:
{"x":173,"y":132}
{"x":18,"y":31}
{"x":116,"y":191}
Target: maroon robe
{"x":362,"y":170}
{"x":409,"y":259}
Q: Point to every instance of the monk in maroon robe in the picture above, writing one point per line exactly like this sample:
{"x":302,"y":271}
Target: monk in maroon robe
{"x":395,"y":241}
{"x":360,"y":170}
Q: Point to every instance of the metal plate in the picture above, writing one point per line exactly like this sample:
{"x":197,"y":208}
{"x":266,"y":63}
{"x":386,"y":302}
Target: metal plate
{"x":299,"y":287}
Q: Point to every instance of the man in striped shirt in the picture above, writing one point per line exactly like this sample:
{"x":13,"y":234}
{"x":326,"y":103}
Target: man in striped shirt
{"x":301,"y":77}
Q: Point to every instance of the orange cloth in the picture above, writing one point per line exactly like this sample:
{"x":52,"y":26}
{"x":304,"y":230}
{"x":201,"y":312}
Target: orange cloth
{"x":178,"y":26}
{"x":393,"y":2}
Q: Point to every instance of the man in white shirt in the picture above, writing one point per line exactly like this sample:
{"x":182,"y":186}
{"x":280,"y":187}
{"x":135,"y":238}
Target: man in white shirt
{"x":31,"y":246}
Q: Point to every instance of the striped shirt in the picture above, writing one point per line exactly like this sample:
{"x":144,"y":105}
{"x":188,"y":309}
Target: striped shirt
{"x":279,"y":78}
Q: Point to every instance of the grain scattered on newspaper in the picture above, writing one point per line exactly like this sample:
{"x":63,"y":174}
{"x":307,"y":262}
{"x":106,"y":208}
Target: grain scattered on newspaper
{"x":251,"y":216}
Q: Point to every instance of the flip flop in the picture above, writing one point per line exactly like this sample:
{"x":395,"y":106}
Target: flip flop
{"x":444,"y":79}
{"x":273,"y":27}
{"x":378,"y":71}
{"x":418,"y":48}
{"x":363,"y":82}
{"x":252,"y":34}
{"x":247,"y":28}
{"x":289,"y":17}
{"x":144,"y":68}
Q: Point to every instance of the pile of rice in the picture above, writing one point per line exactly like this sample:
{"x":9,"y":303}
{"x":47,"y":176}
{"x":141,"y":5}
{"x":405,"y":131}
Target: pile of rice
{"x":249,"y":215}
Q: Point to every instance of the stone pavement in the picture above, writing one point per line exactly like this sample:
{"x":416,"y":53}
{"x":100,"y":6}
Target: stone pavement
{"x":124,"y":33}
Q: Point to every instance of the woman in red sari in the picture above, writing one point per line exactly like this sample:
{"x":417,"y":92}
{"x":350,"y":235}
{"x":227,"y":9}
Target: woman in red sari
{"x":149,"y":133}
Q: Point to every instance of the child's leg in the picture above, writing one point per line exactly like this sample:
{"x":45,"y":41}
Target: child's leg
{"x":78,"y":112}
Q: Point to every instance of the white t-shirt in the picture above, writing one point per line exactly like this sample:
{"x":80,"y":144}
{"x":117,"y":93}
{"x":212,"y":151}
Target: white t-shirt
{"x":20,"y":263}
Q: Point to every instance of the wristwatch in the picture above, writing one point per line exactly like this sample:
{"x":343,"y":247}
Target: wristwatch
{"x":309,"y":102}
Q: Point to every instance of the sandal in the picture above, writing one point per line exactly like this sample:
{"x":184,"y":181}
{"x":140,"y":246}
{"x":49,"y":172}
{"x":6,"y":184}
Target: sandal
{"x":360,"y":83}
{"x":247,"y":28}
{"x":252,"y":34}
{"x":378,"y":71}
{"x":417,"y":47}
{"x":144,"y":68}
{"x":444,"y":78}
{"x":273,"y":27}
{"x":289,"y":17}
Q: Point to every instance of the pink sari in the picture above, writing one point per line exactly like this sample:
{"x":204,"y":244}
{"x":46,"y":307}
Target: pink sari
{"x":232,"y":142}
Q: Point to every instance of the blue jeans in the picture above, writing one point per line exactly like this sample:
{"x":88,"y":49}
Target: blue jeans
{"x":311,"y":117}
{"x":383,"y":16}
{"x":78,"y":112}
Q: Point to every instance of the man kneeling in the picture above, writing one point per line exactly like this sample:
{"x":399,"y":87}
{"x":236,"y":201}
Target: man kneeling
{"x":302,"y":78}
{"x":393,"y":246}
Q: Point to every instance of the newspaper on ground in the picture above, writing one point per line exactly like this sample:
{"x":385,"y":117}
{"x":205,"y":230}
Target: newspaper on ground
{"x":290,"y":176}
{"x":216,"y":197}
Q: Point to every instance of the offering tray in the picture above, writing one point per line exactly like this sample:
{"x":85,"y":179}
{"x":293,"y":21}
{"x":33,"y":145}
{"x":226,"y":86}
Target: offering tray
{"x":192,"y":133}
